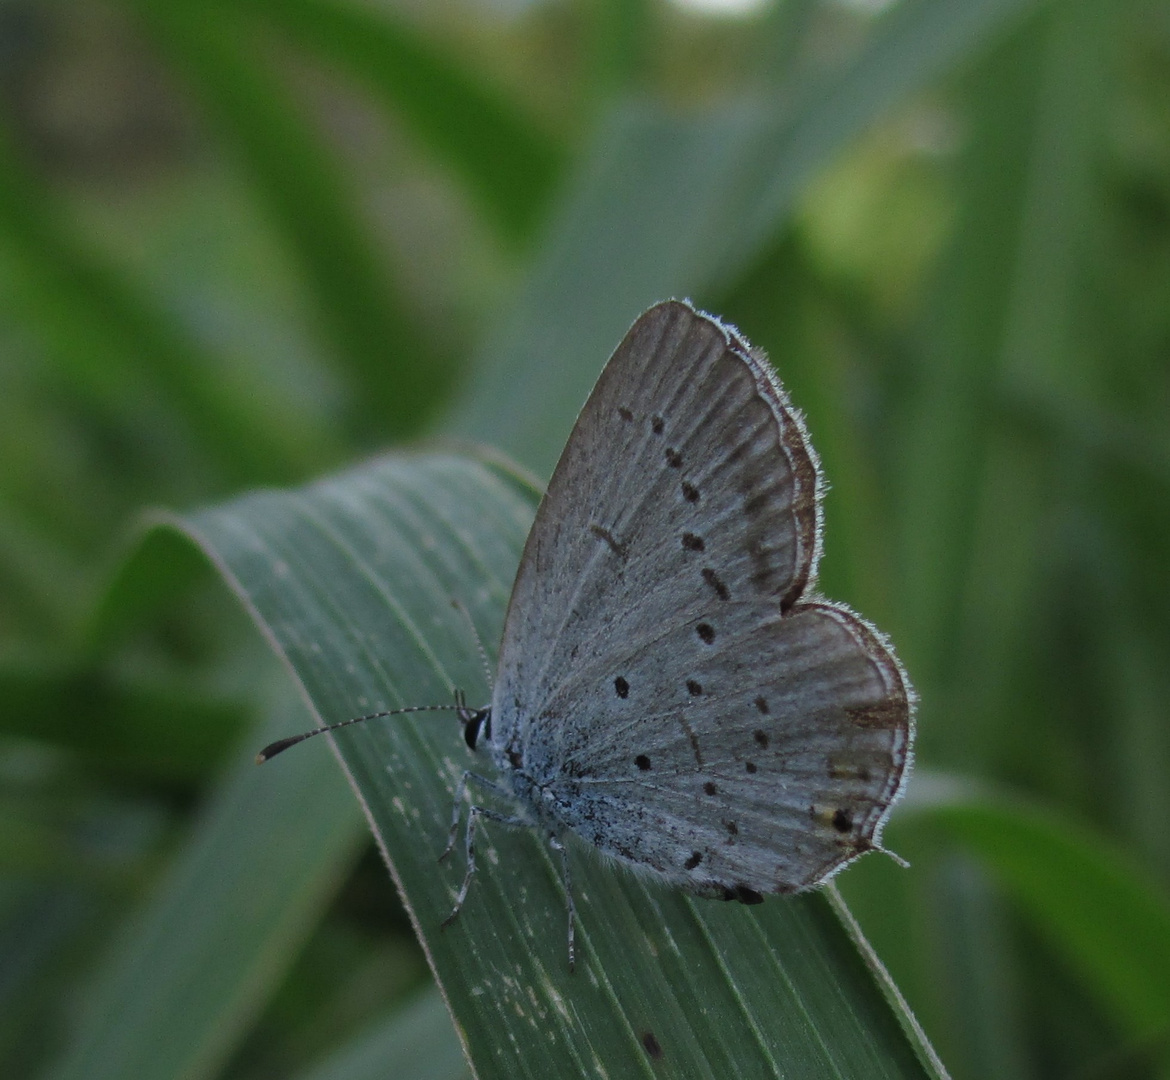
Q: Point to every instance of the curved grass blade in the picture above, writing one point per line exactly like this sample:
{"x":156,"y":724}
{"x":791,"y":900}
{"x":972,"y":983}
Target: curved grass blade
{"x":352,"y":580}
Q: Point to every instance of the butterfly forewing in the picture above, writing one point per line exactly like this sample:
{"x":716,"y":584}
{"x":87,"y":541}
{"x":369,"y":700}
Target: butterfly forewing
{"x":687,"y":479}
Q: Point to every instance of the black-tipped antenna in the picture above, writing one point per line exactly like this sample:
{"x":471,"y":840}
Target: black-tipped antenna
{"x":278,"y":747}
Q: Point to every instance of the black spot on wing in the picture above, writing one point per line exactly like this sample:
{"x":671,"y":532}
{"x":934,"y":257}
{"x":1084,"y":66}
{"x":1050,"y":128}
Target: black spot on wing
{"x":716,"y":583}
{"x":602,"y":533}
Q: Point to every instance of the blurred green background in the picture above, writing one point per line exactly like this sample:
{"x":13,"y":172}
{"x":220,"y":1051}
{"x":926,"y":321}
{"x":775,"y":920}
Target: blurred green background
{"x":249,"y":243}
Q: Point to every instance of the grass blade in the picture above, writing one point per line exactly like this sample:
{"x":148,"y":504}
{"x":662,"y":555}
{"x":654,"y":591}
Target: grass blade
{"x":507,"y":165}
{"x":417,"y":1043}
{"x":193,"y":966}
{"x":673,"y":207}
{"x":304,"y":195}
{"x":352,"y":579}
{"x":1091,"y":904}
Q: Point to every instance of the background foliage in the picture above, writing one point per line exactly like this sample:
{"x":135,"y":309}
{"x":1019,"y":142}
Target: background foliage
{"x":249,"y":243}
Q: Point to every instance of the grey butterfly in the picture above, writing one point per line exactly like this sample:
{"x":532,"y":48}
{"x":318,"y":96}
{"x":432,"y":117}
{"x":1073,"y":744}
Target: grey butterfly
{"x":670,"y":687}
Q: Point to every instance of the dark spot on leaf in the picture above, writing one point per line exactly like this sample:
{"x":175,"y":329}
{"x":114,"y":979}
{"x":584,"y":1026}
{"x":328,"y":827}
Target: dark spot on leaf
{"x":706,"y":632}
{"x":651,"y":1044}
{"x":622,"y":687}
{"x":694,"y":688}
{"x":657,"y":424}
{"x":690,"y":492}
{"x":761,"y":737}
{"x":692,"y":542}
{"x":842,"y":820}
{"x":642,"y":761}
{"x":673,"y":458}
{"x":710,"y":788}
{"x":694,"y":860}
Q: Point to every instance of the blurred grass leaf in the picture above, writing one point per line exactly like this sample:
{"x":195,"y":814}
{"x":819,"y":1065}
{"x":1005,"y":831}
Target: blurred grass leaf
{"x":373,"y":333}
{"x":671,"y":206}
{"x":1093,"y":906}
{"x":112,"y":720}
{"x":416,"y":1043}
{"x":190,"y":969}
{"x":104,"y":336}
{"x":505,"y":162}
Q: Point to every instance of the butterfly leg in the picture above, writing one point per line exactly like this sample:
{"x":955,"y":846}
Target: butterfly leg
{"x":457,"y":808}
{"x":555,"y":843}
{"x":473,"y":816}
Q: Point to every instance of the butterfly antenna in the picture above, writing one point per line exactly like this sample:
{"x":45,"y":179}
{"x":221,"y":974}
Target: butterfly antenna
{"x":278,"y":747}
{"x":483,"y":659}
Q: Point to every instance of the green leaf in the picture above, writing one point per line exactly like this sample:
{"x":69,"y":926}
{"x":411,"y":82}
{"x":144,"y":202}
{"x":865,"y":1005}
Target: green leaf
{"x":118,"y":346}
{"x":113,"y":719}
{"x":1090,"y":903}
{"x":392,"y":371}
{"x":192,"y":967}
{"x":353,"y":581}
{"x":416,"y":1042}
{"x":507,"y":165}
{"x":665,"y":206}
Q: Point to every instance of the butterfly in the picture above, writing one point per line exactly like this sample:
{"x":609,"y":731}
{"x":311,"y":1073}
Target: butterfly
{"x":670,"y":686}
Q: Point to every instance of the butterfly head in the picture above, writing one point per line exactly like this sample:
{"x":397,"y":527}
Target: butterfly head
{"x":476,"y":722}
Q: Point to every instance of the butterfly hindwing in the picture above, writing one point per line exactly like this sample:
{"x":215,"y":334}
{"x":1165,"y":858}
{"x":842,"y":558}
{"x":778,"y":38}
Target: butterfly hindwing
{"x":716,"y":780}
